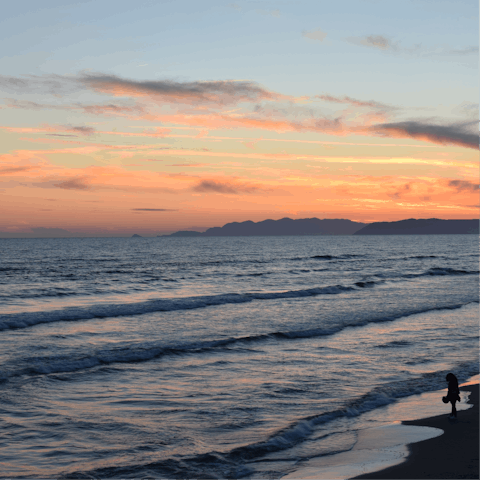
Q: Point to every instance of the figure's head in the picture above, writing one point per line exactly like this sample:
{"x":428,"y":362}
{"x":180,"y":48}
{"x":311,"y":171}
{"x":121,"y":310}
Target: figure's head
{"x":450,"y":376}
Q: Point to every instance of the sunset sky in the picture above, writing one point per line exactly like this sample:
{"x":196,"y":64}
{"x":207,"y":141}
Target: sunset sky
{"x":151,"y":117}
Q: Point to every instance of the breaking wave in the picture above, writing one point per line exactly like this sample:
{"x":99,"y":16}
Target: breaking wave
{"x":26,"y":319}
{"x":147,"y":352}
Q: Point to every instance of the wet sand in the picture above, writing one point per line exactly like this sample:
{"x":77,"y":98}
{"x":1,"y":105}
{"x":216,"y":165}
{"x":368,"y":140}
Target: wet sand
{"x":451,"y":455}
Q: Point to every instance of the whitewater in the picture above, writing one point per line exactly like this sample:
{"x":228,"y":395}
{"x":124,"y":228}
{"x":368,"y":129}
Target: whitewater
{"x":232,"y":357}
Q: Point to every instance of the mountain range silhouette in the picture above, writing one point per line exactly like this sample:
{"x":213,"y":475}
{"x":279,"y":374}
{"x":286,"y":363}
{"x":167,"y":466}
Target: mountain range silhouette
{"x":315,"y":226}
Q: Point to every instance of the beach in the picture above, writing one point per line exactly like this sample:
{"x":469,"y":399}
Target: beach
{"x":433,"y":447}
{"x":451,"y":455}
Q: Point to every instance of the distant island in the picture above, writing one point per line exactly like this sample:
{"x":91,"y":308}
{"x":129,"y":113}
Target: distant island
{"x":315,"y":226}
{"x":430,"y":226}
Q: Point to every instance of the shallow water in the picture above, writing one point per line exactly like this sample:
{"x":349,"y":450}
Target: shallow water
{"x":221,"y":357}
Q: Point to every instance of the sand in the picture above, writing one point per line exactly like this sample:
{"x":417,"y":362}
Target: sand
{"x":451,"y":455}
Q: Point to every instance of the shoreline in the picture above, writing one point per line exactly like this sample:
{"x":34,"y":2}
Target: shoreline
{"x":454,"y":454}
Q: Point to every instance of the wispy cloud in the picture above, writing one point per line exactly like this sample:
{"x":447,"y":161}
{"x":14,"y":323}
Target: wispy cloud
{"x":29,"y":105}
{"x":447,"y":51}
{"x":375,"y":41}
{"x":386,"y":44}
{"x":355,"y":102}
{"x":225,"y":187}
{"x":314,"y":35}
{"x":47,"y":84}
{"x":100,"y":109}
{"x":112,"y":110}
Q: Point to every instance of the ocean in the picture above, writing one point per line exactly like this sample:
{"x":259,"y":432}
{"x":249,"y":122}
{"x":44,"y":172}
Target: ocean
{"x":234,"y":357}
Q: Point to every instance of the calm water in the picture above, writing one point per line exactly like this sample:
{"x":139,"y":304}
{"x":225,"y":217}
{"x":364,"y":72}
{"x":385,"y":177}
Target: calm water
{"x":221,"y":357}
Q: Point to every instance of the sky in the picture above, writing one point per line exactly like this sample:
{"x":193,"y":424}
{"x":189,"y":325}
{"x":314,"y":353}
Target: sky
{"x":152,"y":117}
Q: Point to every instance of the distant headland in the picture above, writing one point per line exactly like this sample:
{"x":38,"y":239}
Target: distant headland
{"x":429,"y":226}
{"x":315,"y":226}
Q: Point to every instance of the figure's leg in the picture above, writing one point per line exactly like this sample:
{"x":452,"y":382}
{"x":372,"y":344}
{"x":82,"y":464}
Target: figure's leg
{"x":454,"y":410}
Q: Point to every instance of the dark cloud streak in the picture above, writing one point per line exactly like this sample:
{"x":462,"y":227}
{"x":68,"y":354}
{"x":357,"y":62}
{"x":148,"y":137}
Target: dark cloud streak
{"x":77,"y":183}
{"x":8,"y":170}
{"x":464,"y":185}
{"x":456,"y":134}
{"x":154,"y":210}
{"x":81,"y":130}
{"x":207,"y":186}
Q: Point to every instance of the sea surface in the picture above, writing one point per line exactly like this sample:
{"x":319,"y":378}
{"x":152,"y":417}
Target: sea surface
{"x":222,"y":357}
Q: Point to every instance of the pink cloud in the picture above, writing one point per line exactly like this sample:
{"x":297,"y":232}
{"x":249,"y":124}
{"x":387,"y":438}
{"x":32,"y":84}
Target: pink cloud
{"x":222,"y":92}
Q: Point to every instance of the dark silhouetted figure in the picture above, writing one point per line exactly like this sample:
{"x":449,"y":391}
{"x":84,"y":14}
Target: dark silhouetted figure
{"x":453,"y":395}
